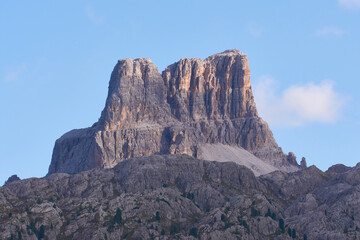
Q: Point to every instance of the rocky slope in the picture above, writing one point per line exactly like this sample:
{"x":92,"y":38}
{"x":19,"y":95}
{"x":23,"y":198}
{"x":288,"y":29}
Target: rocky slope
{"x":193,"y":103}
{"x":180,"y":197}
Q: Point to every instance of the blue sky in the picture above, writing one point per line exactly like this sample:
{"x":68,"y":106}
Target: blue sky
{"x":56,"y":59}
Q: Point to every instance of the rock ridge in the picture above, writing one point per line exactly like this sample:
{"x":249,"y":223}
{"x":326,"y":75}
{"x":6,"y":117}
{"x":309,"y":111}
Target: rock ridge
{"x":175,"y":196}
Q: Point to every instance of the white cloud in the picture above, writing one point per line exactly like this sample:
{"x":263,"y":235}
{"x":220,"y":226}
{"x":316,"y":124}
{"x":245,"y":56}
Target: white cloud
{"x":14,"y":73}
{"x":351,"y":4}
{"x":330,"y":30}
{"x":298,"y":105}
{"x":90,"y":12}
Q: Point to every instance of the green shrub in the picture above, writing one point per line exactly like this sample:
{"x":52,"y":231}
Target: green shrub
{"x":118,"y":217}
{"x":243,"y":223}
{"x":193,"y":232}
{"x":281,"y":225}
{"x":32,"y":227}
{"x":254,"y":212}
{"x":41,"y":234}
{"x":289,"y":232}
{"x":157,"y":216}
{"x":174,"y":228}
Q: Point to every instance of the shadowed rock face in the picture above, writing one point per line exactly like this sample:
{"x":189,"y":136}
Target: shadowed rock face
{"x":182,"y":191}
{"x":13,"y":178}
{"x":193,"y":102}
{"x":162,"y":192}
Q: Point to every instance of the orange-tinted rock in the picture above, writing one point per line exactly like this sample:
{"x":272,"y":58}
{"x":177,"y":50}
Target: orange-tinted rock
{"x":193,"y":102}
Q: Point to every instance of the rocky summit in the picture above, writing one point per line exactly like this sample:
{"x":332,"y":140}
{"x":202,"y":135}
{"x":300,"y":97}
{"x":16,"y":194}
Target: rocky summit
{"x":202,"y":108}
{"x":180,"y":197}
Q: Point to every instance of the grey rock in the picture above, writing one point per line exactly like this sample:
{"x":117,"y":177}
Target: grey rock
{"x":303,"y":163}
{"x":13,"y":178}
{"x":290,"y":186}
{"x":165,"y":196}
{"x":338,"y":168}
{"x":193,"y":102}
{"x":182,"y":191}
{"x":291,"y":158}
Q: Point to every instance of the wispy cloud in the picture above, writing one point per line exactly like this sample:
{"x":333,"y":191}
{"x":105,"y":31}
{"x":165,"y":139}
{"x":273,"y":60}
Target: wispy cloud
{"x":93,"y":16}
{"x":298,"y":105}
{"x":254,"y":29}
{"x":350,"y":4}
{"x":14,"y":73}
{"x":330,"y":30}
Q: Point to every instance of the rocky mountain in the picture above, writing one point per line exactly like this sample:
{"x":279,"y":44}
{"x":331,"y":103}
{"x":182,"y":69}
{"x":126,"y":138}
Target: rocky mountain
{"x":181,"y":197}
{"x":180,"y":155}
{"x":202,"y":108}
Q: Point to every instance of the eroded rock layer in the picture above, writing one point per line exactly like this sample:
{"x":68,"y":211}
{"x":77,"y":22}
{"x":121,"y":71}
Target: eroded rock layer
{"x":194,"y":102}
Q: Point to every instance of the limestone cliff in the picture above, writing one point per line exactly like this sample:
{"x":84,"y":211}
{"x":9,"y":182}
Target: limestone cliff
{"x":193,"y":103}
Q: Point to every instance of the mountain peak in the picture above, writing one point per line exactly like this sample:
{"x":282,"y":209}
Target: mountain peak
{"x":192,"y":103}
{"x":230,"y":52}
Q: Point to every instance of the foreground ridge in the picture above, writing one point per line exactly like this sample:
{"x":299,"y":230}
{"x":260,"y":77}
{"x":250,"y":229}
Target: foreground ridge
{"x":194,"y":107}
{"x":178,"y":196}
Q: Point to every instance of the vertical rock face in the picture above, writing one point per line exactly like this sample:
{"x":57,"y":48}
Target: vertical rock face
{"x":136,"y":96}
{"x":194,"y":102}
{"x":217,"y":88}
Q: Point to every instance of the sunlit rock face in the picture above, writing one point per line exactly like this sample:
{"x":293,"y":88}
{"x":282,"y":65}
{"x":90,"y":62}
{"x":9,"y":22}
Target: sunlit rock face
{"x":192,"y":103}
